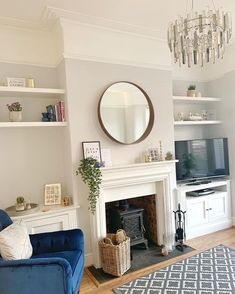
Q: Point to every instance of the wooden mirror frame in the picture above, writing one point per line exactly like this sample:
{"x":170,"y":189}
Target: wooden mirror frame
{"x":151,"y":115}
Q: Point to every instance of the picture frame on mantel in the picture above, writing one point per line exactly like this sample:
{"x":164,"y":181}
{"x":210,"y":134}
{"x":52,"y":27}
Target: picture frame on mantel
{"x":52,"y":194}
{"x":92,"y":149}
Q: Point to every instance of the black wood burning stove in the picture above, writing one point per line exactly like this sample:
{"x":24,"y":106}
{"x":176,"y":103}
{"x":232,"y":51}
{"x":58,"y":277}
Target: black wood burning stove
{"x":130,"y":220}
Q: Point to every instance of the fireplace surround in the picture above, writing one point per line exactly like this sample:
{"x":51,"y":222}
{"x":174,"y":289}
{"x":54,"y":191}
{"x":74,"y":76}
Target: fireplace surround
{"x":131,"y":181}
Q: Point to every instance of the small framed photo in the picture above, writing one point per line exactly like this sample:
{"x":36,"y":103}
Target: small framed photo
{"x":92,"y":149}
{"x":16,"y":82}
{"x":52,"y":194}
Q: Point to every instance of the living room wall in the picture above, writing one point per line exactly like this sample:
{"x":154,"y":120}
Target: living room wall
{"x":86,"y":80}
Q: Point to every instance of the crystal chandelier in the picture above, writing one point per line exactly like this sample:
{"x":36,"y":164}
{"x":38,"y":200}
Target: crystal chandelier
{"x":199,"y":37}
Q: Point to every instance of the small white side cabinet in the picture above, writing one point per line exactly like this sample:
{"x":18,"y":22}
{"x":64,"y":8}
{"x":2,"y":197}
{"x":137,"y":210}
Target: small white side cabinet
{"x":209,"y":213}
{"x":55,"y":219}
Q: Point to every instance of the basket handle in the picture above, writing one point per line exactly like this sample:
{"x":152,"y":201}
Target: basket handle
{"x":121,"y":231}
{"x":108,"y":241}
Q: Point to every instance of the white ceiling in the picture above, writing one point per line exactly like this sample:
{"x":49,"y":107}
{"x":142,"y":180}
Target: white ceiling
{"x":151,"y":14}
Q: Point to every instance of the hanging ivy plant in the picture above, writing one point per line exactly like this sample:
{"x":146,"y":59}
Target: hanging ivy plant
{"x":91,"y":175}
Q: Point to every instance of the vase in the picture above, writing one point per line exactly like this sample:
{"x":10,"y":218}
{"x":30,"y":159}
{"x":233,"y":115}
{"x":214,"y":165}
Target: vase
{"x":15,"y":116}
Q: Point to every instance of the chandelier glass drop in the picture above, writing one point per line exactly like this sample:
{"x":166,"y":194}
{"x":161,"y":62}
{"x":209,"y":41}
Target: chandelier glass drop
{"x":199,"y":37}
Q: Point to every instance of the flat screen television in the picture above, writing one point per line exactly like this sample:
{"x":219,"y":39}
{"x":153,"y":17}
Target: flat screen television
{"x":201,"y":158}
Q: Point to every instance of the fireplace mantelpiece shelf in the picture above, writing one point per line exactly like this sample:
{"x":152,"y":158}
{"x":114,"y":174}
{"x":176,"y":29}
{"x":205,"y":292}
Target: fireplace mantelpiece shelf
{"x":136,"y":180}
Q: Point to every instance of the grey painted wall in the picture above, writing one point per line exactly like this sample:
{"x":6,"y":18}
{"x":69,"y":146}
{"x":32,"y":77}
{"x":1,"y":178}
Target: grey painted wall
{"x":85,"y":83}
{"x":30,"y":157}
{"x":224,"y":88}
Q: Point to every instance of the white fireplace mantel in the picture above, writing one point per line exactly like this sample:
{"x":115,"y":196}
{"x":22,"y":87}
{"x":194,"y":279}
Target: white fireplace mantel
{"x":136,"y":180}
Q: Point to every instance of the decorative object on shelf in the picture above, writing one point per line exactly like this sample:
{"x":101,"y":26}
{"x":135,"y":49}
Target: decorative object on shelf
{"x":54,"y":112}
{"x":211,"y":114}
{"x":204,"y":115}
{"x":66,"y":201}
{"x":15,"y":112}
{"x":89,"y":169}
{"x":180,"y":116}
{"x":91,"y":149}
{"x":152,"y":155}
{"x":192,"y":91}
{"x":13,"y":212}
{"x":53,"y":194}
{"x":169,"y":156}
{"x":199,"y":37}
{"x":20,"y":204}
{"x":28,"y":206}
{"x":30,"y":83}
{"x":106,"y":156}
{"x":16,"y":82}
{"x":195,"y":116}
{"x":160,"y":151}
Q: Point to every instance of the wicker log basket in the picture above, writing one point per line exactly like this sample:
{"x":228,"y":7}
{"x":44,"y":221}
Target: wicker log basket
{"x":115,"y":253}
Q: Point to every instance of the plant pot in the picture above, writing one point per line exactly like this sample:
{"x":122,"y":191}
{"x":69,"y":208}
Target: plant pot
{"x":15,"y":116}
{"x":192,"y":93}
{"x":20,"y":206}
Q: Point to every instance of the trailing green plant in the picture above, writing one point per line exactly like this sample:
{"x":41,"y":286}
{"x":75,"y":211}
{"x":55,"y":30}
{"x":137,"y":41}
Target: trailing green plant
{"x":92,"y":176}
{"x":191,"y":87}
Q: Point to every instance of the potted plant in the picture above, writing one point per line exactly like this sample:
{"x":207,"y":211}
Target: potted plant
{"x":91,"y":175}
{"x":20,"y":203}
{"x":15,"y":111}
{"x":192,"y":91}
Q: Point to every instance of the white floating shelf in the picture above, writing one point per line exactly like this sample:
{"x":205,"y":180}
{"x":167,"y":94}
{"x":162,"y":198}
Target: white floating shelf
{"x":32,"y":124}
{"x":33,"y":91}
{"x":187,"y":99}
{"x":197,"y":122}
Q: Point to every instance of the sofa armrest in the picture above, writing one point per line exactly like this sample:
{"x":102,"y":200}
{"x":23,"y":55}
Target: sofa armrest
{"x":57,"y":241}
{"x":36,"y":276}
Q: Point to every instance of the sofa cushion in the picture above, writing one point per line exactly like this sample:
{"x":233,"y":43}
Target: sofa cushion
{"x":74,"y":257}
{"x":15,"y":242}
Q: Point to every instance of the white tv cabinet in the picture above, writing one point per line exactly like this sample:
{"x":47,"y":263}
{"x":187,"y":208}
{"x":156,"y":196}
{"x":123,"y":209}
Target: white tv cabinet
{"x":209,"y":213}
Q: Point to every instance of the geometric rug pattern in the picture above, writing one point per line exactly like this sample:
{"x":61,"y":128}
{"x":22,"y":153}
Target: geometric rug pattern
{"x":209,"y":272}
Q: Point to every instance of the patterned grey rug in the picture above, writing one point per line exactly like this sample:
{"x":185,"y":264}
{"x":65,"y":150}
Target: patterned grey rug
{"x":210,"y":272}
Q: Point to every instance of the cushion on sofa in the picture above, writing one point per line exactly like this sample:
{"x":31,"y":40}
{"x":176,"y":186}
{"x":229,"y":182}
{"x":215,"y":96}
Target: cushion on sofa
{"x":15,"y":242}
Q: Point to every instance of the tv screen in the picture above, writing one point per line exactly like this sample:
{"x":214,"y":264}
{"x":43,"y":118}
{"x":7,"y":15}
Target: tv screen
{"x":202,"y":158}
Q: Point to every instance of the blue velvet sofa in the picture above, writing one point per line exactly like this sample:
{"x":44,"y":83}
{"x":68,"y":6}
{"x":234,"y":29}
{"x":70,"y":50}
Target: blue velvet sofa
{"x":56,"y":266}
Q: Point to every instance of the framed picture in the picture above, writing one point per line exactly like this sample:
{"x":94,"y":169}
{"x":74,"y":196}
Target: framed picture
{"x":16,"y":82}
{"x":52,"y":194}
{"x":92,"y":149}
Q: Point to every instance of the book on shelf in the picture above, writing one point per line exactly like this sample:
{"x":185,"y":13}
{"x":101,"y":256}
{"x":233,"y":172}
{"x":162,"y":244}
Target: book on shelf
{"x":55,"y":112}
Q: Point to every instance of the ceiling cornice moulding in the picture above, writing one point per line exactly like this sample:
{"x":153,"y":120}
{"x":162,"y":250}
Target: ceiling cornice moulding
{"x":50,"y":14}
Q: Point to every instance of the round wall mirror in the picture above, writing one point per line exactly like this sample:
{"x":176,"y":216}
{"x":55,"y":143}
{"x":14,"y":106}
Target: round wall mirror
{"x":125,"y":113}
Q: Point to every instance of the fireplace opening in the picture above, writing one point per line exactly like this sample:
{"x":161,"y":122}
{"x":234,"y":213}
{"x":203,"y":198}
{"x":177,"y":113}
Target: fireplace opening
{"x":138,"y":217}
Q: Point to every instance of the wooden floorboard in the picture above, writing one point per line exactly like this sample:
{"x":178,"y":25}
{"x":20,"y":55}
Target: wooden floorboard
{"x":225,"y":237}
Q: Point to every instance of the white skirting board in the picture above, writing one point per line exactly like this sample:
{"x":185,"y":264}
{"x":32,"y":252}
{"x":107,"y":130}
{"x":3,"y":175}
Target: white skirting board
{"x":88,"y":259}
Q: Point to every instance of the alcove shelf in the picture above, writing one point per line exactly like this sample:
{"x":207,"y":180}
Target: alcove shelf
{"x":9,"y":91}
{"x":187,"y":99}
{"x":32,"y":124}
{"x":23,"y":92}
{"x":198,"y":122}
